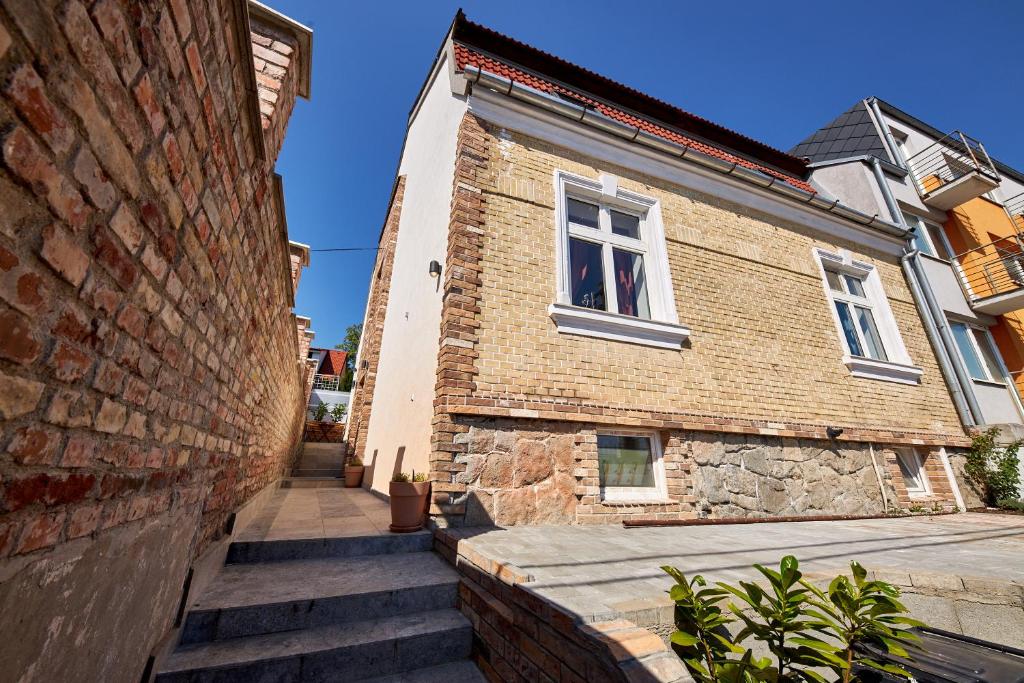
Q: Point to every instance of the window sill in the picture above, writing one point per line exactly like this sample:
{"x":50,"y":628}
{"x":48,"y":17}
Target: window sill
{"x":989,"y":383}
{"x":630,"y":502}
{"x":883,"y":370}
{"x":603,"y":325}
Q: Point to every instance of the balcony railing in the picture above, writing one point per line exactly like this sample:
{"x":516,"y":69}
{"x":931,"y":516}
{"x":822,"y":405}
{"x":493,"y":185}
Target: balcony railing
{"x":1015,"y":207}
{"x":993,"y":275}
{"x":953,"y":170}
{"x":327,"y":382}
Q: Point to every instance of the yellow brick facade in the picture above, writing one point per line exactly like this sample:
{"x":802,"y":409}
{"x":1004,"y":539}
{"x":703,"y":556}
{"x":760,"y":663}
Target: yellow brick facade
{"x":763,"y":344}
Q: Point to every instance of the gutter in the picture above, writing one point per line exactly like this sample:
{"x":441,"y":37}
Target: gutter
{"x":890,"y":141}
{"x":595,"y":119}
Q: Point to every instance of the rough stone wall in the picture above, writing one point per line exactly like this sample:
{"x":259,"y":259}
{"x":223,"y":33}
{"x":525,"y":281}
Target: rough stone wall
{"x":148,"y":357}
{"x":373,"y":327}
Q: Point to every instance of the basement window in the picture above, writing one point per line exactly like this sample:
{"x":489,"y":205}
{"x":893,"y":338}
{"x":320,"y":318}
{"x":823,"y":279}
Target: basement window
{"x":631,"y":467}
{"x":612,"y":266}
{"x":864,"y":321}
{"x":914,"y":476}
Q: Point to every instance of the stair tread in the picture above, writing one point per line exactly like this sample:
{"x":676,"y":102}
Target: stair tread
{"x":247,"y":585}
{"x":463,"y":671}
{"x":288,"y":644}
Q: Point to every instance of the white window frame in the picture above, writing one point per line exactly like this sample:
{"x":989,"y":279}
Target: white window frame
{"x":920,"y":226}
{"x":629,"y":494}
{"x":922,"y":474}
{"x":899,"y":367}
{"x":662,"y":329}
{"x":972,"y":327}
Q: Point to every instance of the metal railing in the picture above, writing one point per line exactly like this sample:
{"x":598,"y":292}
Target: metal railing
{"x":949,"y":159}
{"x":993,"y":268}
{"x":327,"y":382}
{"x":1015,"y":207}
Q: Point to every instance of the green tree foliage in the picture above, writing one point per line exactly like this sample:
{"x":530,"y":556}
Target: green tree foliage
{"x":350,"y":345}
{"x":992,"y":468}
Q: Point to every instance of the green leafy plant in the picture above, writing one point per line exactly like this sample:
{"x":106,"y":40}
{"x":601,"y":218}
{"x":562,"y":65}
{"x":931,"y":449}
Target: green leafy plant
{"x":418,"y":477}
{"x":400,"y":477}
{"x":992,"y":468}
{"x":338,"y":412}
{"x":1010,"y":504}
{"x":806,"y":629}
{"x":319,"y":412}
{"x":355,"y":461}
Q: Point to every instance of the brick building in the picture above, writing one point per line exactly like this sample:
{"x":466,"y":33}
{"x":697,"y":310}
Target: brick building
{"x":143,"y":250}
{"x":639,"y":313}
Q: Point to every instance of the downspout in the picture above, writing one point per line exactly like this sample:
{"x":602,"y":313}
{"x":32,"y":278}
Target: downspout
{"x":890,"y":142}
{"x":935,"y":324}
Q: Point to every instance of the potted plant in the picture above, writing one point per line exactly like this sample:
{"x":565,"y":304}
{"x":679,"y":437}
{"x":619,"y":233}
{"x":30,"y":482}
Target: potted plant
{"x":408,"y":501}
{"x":353,"y":473}
{"x":338,"y":412}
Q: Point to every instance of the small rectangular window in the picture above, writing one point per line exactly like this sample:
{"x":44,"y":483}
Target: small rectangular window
{"x":625,"y":224}
{"x":855,"y":315}
{"x":582,"y":213}
{"x":587,"y":273}
{"x":914,"y":477}
{"x":630,"y":467}
{"x":987,"y":354}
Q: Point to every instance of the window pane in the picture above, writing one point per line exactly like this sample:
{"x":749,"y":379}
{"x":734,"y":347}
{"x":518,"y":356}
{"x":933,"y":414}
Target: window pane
{"x":987,"y":354}
{"x":935,"y":233}
{"x":962,"y":335}
{"x":846,"y":320}
{"x":630,"y":284}
{"x":911,"y":470}
{"x":921,"y":241}
{"x":586,"y":274}
{"x":582,"y":213}
{"x":625,"y":460}
{"x":854,"y":285}
{"x":626,"y":225}
{"x":870,"y":333}
{"x":835,"y":282}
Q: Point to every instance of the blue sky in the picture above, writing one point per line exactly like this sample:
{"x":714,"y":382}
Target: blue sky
{"x":773,"y":71}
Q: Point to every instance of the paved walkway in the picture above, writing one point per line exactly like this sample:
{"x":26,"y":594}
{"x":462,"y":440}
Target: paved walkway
{"x":602,"y":572}
{"x":303,"y":513}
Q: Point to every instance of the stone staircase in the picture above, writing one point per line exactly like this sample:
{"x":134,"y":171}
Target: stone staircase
{"x":320,"y":460}
{"x":362,"y":608}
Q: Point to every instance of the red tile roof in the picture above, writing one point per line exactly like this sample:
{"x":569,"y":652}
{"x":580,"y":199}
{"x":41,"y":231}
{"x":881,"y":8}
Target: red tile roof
{"x":478,"y":46}
{"x":333,"y":363}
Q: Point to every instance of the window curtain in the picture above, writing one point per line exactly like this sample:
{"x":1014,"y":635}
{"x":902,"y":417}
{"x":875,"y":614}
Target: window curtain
{"x":624,"y":290}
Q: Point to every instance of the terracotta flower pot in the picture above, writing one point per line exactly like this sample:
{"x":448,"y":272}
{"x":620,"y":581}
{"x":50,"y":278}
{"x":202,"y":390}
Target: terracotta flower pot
{"x":408,"y":503}
{"x":353,"y":476}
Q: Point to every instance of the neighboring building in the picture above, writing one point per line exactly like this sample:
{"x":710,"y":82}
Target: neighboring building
{"x":966,"y":210}
{"x":328,"y":378}
{"x":640,"y":313}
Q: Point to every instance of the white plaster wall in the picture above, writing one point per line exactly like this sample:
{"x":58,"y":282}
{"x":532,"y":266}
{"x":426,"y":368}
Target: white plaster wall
{"x":398,"y":435}
{"x":854,"y":184}
{"x":996,"y":404}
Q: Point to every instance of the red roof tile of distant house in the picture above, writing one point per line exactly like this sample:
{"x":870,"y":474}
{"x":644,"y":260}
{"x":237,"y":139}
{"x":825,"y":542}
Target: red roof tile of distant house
{"x":490,"y":51}
{"x":333,"y":363}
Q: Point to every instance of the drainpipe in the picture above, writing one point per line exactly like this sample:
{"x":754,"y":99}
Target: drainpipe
{"x":872,"y":103}
{"x":936,"y":326}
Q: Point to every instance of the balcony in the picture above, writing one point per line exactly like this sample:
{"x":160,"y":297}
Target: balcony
{"x":327,"y":382}
{"x":1015,"y":207}
{"x":993,"y":275}
{"x":952,"y":171}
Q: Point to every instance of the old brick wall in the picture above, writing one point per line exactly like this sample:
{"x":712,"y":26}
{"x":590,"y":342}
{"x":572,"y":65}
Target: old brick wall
{"x":149,"y":375}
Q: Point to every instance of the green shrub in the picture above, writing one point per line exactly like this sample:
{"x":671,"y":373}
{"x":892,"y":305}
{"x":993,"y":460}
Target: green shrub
{"x":319,"y":412}
{"x":993,"y":469}
{"x":805,"y":628}
{"x":338,"y":412}
{"x":1010,"y":504}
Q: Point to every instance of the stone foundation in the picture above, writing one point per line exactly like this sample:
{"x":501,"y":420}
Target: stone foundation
{"x":546,"y":472}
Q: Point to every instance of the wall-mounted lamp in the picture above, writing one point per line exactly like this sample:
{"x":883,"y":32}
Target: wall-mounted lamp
{"x":834,"y":432}
{"x":435,"y":269}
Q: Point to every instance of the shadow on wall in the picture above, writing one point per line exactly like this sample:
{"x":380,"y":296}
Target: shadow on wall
{"x":399,"y":459}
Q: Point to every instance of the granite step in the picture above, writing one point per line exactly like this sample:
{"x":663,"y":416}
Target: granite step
{"x":254,"y":599}
{"x":241,"y":552}
{"x":351,"y":651}
{"x":319,"y":473}
{"x":456,"y":672}
{"x":317,"y":482}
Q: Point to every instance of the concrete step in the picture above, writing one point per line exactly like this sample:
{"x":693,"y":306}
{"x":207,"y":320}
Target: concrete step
{"x":253,"y":599}
{"x":241,"y":552}
{"x":351,"y":651}
{"x":327,"y":482}
{"x":455,"y":672}
{"x":327,"y":472}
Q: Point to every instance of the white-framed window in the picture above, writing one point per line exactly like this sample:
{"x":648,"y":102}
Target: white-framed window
{"x":871,"y":341}
{"x":929,"y":237}
{"x":912,"y":468}
{"x":613,"y":276}
{"x":630,"y":466}
{"x":977,"y":352}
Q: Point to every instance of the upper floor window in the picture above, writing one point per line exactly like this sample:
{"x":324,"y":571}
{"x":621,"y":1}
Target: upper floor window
{"x":867,"y":329}
{"x":613,"y":277}
{"x":977,"y":352}
{"x":928,"y":237}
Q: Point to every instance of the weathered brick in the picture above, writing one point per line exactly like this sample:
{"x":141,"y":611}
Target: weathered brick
{"x":26,"y":90}
{"x":68,"y":363}
{"x":23,"y":156}
{"x":147,"y":101}
{"x":5,"y":42}
{"x":34,"y":446}
{"x":41,"y":532}
{"x":18,"y":341}
{"x":18,"y":395}
{"x":95,"y":181}
{"x":63,"y":255}
{"x":80,"y":451}
{"x":115,"y":30}
{"x":84,"y":520}
{"x":70,"y":409}
{"x":111,"y":417}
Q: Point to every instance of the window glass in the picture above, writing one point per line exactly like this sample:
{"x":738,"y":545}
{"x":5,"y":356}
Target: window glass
{"x":625,"y":461}
{"x":587,"y":274}
{"x":854,"y":286}
{"x":870,"y":332}
{"x":910,"y":468}
{"x":849,"y":331}
{"x":962,"y":335}
{"x":935,"y":233}
{"x":630,"y":284}
{"x":625,"y":224}
{"x":987,"y":354}
{"x":582,"y":213}
{"x":835,"y":282}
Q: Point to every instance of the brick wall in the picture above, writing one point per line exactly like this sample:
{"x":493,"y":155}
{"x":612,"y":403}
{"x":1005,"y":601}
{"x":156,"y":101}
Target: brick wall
{"x":373,"y":327}
{"x":148,"y":356}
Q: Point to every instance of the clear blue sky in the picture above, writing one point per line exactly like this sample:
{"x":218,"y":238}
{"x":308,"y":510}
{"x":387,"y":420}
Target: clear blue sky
{"x":775,"y":71}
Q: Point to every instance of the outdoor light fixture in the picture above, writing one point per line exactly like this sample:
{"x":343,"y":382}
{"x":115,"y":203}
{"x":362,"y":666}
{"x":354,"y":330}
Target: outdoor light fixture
{"x":435,"y":269}
{"x":834,"y":432}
